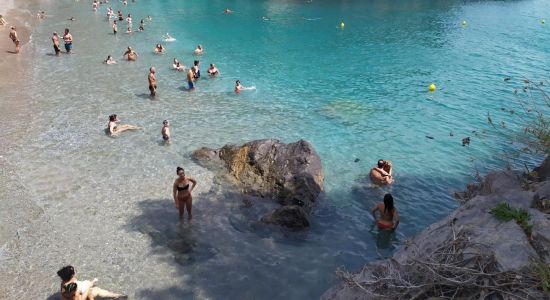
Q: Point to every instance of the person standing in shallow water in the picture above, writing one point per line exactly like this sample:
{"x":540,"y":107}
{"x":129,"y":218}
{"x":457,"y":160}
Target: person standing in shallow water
{"x":389,"y":218}
{"x":181,"y":191}
{"x":55,"y":40}
{"x":165,"y":131}
{"x":152,"y":82}
{"x":68,"y":38}
{"x":13,"y":36}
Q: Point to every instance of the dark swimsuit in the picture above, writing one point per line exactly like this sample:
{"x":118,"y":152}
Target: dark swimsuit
{"x":165,"y":137}
{"x":184,"y":188}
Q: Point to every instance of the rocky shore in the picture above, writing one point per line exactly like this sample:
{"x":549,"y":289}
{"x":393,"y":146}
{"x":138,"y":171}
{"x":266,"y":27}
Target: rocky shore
{"x":472,"y":253}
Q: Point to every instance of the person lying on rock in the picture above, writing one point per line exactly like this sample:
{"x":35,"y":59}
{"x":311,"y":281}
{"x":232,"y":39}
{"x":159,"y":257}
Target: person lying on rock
{"x":389,"y":218}
{"x":382,"y":173}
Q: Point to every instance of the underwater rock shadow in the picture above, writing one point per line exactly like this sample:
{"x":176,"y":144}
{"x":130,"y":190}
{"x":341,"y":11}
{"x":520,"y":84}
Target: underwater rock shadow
{"x":165,"y":294}
{"x":159,"y":220}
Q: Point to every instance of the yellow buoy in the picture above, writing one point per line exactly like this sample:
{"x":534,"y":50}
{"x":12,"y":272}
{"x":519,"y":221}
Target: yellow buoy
{"x":431,"y":87}
{"x":464,"y":23}
{"x":342,"y":25}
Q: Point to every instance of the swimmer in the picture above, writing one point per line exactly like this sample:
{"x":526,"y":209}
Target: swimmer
{"x":382,"y":173}
{"x":190,"y":79}
{"x":238,"y":86}
{"x":125,"y":2}
{"x":110,"y":60}
{"x":68,"y":38}
{"x":71,"y":19}
{"x":94,"y":5}
{"x":114,"y":129}
{"x":196,"y":69}
{"x":149,"y":19}
{"x":389,"y":217}
{"x":55,"y":40}
{"x":41,"y":15}
{"x":129,"y":29}
{"x":132,"y":55}
{"x":15,"y":39}
{"x":141,"y":25}
{"x":73,"y":289}
{"x":129,"y":19}
{"x":152,"y":82}
{"x":227,"y":11}
{"x":165,"y":132}
{"x":120,"y":17}
{"x":213,"y":71}
{"x":199,"y":50}
{"x":115,"y":28}
{"x":159,"y":49}
{"x":181,"y":191}
{"x":3,"y":21}
{"x":168,"y":38}
{"x":178,"y":66}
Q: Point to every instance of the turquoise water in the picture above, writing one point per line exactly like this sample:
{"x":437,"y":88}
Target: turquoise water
{"x":357,"y":92}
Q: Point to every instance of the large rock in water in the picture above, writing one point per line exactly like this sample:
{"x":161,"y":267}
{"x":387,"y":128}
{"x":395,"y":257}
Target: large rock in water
{"x":289,"y":173}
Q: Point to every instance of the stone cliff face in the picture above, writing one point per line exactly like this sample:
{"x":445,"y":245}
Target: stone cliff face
{"x":503,"y":254}
{"x":291,"y":174}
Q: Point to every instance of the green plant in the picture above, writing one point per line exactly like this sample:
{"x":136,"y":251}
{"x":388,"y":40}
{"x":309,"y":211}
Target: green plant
{"x":542,"y":273}
{"x":504,"y":212}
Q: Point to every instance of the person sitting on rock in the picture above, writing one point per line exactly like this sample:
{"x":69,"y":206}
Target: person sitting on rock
{"x":389,"y":218}
{"x":382,"y":173}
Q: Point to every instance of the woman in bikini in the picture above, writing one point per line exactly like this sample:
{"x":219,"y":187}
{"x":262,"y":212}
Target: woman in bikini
{"x":114,"y":129}
{"x":389,"y":218}
{"x":73,"y":289}
{"x":182,"y":192}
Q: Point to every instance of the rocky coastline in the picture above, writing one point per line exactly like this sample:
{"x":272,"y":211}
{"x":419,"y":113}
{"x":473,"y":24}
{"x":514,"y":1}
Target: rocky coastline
{"x":472,"y":253}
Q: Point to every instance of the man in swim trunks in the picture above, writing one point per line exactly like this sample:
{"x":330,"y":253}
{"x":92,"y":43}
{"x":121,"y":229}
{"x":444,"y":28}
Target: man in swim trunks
{"x":165,"y":131}
{"x":114,"y":27}
{"x":15,"y":39}
{"x":55,"y":40}
{"x":152,"y":82}
{"x":68,"y":38}
{"x":190,"y":79}
{"x":389,"y":218}
{"x":382,"y":173}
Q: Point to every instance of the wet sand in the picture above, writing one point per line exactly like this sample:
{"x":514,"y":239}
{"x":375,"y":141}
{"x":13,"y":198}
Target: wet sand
{"x":14,"y":101}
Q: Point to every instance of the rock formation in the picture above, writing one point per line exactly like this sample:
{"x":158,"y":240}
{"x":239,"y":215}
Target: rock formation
{"x":288,"y":173}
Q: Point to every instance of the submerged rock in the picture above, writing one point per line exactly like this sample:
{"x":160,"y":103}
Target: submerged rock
{"x":288,"y":173}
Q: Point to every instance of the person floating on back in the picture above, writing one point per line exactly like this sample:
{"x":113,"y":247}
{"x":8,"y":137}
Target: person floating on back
{"x":389,"y":218}
{"x":382,"y":173}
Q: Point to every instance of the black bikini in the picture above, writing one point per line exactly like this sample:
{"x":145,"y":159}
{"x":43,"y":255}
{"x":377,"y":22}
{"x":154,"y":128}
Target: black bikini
{"x":183,"y":188}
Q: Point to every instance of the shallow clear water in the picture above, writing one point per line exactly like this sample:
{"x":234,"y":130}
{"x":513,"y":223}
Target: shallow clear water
{"x":358,"y":92}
